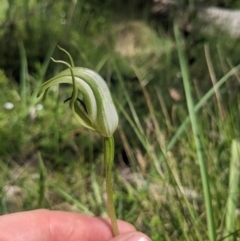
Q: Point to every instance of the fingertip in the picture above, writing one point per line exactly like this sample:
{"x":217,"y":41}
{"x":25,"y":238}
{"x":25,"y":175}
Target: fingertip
{"x":125,"y":227}
{"x":131,"y":236}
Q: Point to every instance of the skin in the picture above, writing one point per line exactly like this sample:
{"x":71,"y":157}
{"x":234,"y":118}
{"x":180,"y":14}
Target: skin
{"x":45,"y":225}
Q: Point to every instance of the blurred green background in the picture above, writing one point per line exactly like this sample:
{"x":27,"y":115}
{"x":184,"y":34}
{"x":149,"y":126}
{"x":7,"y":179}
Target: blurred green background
{"x":48,"y":161}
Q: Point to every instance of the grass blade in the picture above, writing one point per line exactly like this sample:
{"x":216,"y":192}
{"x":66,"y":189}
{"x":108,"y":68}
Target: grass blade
{"x":23,"y":74}
{"x":193,"y":120}
{"x":233,"y":191}
{"x":42,"y":181}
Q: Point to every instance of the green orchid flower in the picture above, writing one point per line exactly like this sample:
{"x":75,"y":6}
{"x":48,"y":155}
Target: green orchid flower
{"x":94,"y":110}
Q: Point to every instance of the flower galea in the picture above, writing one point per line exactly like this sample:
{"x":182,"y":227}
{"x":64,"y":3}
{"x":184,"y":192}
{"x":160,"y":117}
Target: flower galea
{"x":95,"y":110}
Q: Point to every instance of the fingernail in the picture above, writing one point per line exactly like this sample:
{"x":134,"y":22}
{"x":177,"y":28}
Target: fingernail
{"x":137,"y":237}
{"x":141,"y":239}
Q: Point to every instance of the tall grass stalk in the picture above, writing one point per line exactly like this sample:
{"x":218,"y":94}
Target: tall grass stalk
{"x":233,"y":191}
{"x":159,"y":134}
{"x":130,"y":104}
{"x":42,"y":181}
{"x":96,"y":190}
{"x":214,"y":81}
{"x":196,"y":134}
{"x":46,"y":62}
{"x":23,"y":75}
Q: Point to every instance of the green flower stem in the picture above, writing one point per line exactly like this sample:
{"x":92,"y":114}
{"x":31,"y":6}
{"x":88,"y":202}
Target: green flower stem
{"x":108,"y":159}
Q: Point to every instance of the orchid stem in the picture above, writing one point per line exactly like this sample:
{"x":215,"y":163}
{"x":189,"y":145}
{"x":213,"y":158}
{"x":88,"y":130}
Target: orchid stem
{"x":108,"y":158}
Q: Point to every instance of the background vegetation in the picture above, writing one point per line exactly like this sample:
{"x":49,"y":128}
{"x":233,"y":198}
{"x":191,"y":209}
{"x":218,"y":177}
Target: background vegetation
{"x":48,"y":161}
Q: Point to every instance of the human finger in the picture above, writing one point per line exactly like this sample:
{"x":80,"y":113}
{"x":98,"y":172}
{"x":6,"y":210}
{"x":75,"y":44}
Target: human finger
{"x":45,"y":225}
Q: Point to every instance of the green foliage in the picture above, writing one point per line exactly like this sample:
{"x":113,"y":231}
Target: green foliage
{"x":38,"y":24}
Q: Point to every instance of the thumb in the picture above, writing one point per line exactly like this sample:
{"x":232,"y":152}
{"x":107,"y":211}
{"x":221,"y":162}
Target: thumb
{"x":131,"y":236}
